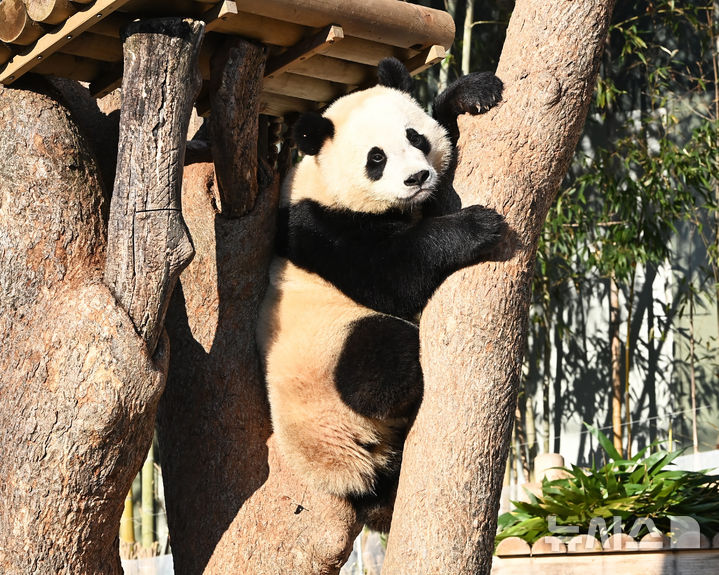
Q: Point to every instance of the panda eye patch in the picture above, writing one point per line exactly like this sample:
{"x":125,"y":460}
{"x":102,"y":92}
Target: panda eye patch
{"x":418,"y":141}
{"x":376,"y":161}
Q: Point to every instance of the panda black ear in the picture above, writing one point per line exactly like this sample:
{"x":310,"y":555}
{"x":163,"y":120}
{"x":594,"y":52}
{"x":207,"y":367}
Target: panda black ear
{"x":310,"y":132}
{"x":394,"y":74}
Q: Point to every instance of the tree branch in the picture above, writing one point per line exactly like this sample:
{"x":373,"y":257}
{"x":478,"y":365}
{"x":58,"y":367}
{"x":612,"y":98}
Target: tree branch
{"x":148,"y":243}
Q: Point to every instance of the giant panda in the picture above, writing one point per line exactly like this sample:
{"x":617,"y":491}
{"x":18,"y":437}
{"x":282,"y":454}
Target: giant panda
{"x":357,"y":258}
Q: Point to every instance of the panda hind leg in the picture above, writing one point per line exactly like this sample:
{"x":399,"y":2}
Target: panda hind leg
{"x":378,"y":374}
{"x":375,"y":509}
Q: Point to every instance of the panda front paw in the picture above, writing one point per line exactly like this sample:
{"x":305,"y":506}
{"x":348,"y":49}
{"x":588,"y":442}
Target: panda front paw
{"x":477,"y":93}
{"x":484,"y":226}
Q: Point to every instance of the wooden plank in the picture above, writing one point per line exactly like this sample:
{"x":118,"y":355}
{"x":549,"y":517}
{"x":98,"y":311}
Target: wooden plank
{"x":279,"y":105}
{"x":512,"y":547}
{"x":397,"y":23}
{"x":53,"y":41}
{"x":49,"y":11}
{"x":5,"y":53}
{"x":303,"y":87}
{"x":67,"y":66}
{"x":16,"y":27}
{"x":366,"y":51}
{"x":317,"y":44}
{"x":111,"y":25}
{"x":266,"y":30}
{"x":107,"y":81}
{"x":95,"y":47}
{"x":696,"y":562}
{"x":334,"y":70}
{"x":425,"y":59}
{"x":218,"y":14}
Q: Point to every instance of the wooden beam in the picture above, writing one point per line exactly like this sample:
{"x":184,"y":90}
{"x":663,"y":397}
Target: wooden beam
{"x":5,"y":53}
{"x":95,"y":47}
{"x":226,"y":18}
{"x":53,"y":41}
{"x":67,"y":66}
{"x":366,"y":51}
{"x":108,"y":81}
{"x":303,"y":87}
{"x":279,"y":105}
{"x":218,"y":14}
{"x":400,"y":24}
{"x":334,"y":70}
{"x":49,"y":11}
{"x":16,"y":27}
{"x":111,"y":25}
{"x":425,"y":59}
{"x":317,"y":44}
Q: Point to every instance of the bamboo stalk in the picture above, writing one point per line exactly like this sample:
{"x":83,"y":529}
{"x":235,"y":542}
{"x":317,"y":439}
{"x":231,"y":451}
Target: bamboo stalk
{"x":127,"y":528}
{"x":627,"y":365}
{"x":147,"y":510}
{"x":467,"y":37}
{"x":615,"y":349}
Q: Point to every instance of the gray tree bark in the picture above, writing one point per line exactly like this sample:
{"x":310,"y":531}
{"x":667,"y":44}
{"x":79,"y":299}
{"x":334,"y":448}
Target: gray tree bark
{"x":148,"y":244}
{"x":473,"y":331}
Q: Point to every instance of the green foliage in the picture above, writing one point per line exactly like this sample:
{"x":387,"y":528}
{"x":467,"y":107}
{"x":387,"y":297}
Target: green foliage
{"x":629,"y":193}
{"x":646,"y":166}
{"x":644,"y":486}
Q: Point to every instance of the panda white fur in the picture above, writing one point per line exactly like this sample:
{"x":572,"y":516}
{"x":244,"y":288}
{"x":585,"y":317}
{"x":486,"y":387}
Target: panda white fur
{"x":356,"y":262}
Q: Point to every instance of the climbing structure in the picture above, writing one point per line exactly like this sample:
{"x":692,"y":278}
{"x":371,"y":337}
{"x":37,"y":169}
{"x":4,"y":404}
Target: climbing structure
{"x":317,"y":49}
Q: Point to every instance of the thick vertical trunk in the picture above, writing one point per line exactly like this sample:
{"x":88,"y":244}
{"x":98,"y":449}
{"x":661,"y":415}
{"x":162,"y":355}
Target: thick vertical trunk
{"x":79,"y":382}
{"x":78,"y":391}
{"x":233,"y":507}
{"x":473,"y":331}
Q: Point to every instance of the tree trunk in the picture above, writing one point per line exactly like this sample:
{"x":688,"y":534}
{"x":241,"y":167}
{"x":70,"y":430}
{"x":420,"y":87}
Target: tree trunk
{"x":148,"y":244}
{"x":233,"y":507}
{"x":78,"y":391}
{"x":79,"y":387}
{"x":473,"y":330}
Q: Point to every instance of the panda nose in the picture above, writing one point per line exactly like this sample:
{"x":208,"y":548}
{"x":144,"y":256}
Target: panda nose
{"x":417,"y":179}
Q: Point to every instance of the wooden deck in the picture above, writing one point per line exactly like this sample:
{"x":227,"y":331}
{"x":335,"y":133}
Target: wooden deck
{"x":318,"y":49}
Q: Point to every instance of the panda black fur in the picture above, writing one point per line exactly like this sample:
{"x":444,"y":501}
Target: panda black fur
{"x":356,"y":262}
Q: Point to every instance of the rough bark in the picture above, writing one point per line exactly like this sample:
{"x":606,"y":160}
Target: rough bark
{"x":236,"y":77}
{"x":78,"y":391}
{"x":148,"y":243}
{"x":214,"y":424}
{"x":473,"y":331}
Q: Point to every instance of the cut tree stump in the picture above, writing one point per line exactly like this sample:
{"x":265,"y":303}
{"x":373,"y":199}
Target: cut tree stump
{"x":148,"y":242}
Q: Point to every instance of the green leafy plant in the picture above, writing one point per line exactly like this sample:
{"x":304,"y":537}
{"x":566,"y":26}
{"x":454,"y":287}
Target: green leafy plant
{"x":644,"y":486}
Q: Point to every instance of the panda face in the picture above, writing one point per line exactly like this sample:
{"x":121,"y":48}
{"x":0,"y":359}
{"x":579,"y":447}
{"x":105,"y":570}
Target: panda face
{"x":384,"y":153}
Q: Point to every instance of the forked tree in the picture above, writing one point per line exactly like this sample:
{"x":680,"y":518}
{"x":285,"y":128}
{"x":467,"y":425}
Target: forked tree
{"x":84,"y":359}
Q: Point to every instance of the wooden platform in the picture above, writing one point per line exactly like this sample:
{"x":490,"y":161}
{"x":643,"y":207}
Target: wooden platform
{"x":318,"y":49}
